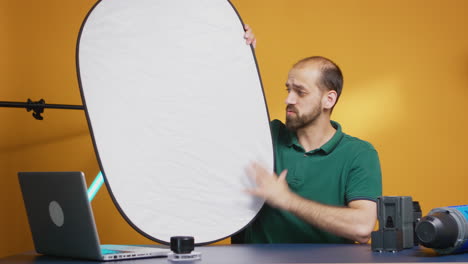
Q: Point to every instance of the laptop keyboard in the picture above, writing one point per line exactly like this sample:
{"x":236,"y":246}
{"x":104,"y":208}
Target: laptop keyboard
{"x":123,"y":249}
{"x":106,"y":251}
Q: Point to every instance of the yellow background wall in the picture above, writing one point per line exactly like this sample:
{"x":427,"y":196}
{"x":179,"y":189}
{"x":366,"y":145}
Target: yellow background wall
{"x":406,"y":77}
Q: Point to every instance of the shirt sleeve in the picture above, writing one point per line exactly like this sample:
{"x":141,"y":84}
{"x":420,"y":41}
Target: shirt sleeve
{"x":365,"y":177}
{"x":275,"y":127}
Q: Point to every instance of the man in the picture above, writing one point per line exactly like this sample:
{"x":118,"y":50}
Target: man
{"x":328,"y":181}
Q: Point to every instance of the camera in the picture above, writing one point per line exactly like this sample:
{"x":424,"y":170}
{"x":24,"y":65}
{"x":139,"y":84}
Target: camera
{"x":444,"y":229}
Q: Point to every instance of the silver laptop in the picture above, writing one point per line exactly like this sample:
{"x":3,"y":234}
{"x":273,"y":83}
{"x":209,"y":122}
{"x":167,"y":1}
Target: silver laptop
{"x":62,"y":222}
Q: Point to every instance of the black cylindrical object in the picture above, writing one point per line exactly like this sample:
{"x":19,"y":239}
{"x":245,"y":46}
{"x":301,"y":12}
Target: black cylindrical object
{"x":445,"y":229}
{"x":182,"y":244}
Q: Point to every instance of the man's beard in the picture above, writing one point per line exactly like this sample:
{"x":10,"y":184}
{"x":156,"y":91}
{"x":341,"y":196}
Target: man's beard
{"x":296,"y":122}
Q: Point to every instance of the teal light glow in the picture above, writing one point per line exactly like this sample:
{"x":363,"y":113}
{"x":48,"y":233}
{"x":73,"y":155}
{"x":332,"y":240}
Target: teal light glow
{"x":95,"y":186}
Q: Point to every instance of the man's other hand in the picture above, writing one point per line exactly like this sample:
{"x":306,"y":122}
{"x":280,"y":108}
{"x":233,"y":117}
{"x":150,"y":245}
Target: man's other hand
{"x":249,"y":36}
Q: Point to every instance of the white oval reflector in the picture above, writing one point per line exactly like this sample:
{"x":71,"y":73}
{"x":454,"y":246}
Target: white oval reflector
{"x":176,"y":111}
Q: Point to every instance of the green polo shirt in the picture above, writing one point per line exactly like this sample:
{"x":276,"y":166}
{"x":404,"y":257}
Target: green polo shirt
{"x":342,"y":170}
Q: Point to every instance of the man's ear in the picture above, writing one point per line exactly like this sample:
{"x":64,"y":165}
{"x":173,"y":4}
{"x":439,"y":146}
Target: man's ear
{"x":329,"y":99}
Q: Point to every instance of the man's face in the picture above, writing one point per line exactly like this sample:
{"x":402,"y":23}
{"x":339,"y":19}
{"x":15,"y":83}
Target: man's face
{"x":304,"y":105}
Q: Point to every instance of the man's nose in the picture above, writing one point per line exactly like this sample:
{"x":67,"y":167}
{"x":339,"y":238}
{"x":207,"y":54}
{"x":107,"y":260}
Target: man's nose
{"x":291,"y":99}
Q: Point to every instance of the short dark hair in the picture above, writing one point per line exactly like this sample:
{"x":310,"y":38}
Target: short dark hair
{"x":331,"y":77}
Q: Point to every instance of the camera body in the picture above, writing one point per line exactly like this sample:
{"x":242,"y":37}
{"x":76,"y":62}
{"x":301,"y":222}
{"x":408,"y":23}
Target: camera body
{"x":444,"y":229}
{"x":398,"y":216}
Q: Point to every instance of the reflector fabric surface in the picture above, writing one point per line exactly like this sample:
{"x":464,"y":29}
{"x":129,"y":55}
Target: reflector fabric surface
{"x":176,"y":110}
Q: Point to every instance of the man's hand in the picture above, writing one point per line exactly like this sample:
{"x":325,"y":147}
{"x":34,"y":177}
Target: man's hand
{"x":274,"y":189}
{"x":249,"y":36}
{"x":355,"y":221}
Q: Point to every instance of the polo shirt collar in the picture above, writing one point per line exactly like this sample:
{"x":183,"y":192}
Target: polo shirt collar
{"x":328,"y":147}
